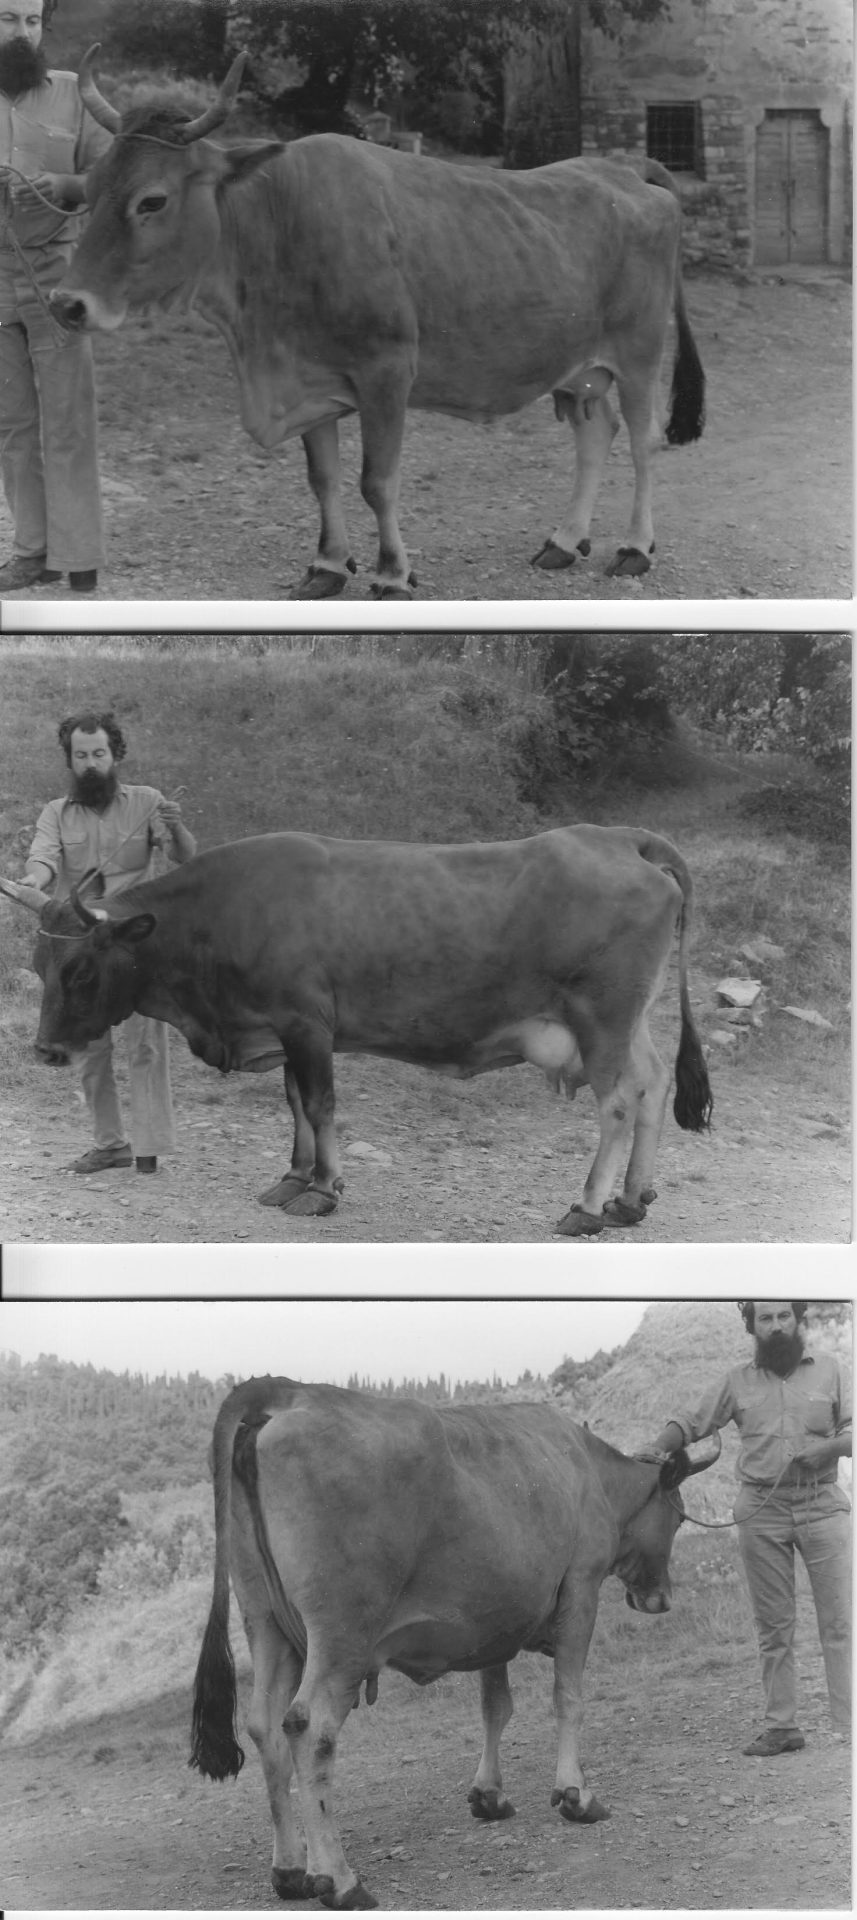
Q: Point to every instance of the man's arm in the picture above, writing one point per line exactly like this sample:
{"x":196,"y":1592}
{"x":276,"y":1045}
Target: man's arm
{"x":45,"y":856}
{"x":715,"y":1410}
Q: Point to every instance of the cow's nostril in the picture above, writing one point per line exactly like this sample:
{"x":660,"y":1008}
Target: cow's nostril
{"x":69,"y":311}
{"x":52,"y":1056}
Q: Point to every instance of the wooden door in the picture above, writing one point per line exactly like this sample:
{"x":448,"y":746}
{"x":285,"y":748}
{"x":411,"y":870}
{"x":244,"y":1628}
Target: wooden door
{"x":791,"y":189}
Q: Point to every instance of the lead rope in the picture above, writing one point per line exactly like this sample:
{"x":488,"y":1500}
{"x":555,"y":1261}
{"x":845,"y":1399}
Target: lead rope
{"x":713,"y":1526}
{"x":9,"y":237}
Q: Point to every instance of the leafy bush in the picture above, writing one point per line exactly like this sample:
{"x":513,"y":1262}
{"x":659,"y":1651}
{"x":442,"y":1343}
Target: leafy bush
{"x":186,"y":36}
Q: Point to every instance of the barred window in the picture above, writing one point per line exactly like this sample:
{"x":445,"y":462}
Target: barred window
{"x":674,"y":136}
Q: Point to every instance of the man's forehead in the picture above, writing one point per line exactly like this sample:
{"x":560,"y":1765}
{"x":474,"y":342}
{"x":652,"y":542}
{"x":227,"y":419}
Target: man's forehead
{"x":772,"y":1307}
{"x":89,"y":737}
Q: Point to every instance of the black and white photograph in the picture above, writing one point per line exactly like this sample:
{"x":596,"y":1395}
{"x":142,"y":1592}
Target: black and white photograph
{"x":536,"y":1604}
{"x":427,"y":622}
{"x":554,"y":293}
{"x":280,"y":915}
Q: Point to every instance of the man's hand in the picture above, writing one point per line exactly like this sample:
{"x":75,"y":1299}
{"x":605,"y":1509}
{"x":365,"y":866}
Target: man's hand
{"x":816,"y":1453}
{"x":169,"y":813}
{"x":62,"y":189}
{"x":656,"y":1456}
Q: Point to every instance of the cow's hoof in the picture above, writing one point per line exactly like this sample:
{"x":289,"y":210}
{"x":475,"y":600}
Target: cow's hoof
{"x":630,"y":563}
{"x":284,"y":1191}
{"x":617,"y":1213}
{"x":322,"y":583}
{"x":575,"y":1224}
{"x":356,"y":1896}
{"x":550,"y":558}
{"x":292,"y":1883}
{"x":312,"y":1203}
{"x":486,"y":1803}
{"x":571,"y":1807}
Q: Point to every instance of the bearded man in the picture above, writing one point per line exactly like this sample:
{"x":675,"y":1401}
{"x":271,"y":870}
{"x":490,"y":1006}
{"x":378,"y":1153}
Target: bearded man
{"x":117,"y":830}
{"x":48,"y":436}
{"x":793,"y":1412}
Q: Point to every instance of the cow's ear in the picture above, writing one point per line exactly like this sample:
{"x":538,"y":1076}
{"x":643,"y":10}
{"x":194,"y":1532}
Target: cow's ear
{"x":235,"y":163}
{"x":131,"y":932}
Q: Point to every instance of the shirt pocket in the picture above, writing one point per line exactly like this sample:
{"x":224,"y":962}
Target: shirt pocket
{"x":77,"y":852}
{"x":817,"y":1414}
{"x":133,"y":855}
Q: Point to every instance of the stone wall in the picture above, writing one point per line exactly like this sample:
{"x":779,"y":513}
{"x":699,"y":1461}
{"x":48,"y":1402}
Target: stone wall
{"x":738,"y":58}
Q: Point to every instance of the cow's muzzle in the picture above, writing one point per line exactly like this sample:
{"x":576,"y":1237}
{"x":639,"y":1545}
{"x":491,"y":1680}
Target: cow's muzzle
{"x":70,"y":310}
{"x":52,"y":1056}
{"x":82,"y":312}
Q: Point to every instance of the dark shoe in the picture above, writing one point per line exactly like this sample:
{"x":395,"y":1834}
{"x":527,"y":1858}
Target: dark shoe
{"x":775,"y":1740}
{"x":23,"y":570}
{"x":80,"y":582}
{"x":146,"y":1163}
{"x":98,"y":1159}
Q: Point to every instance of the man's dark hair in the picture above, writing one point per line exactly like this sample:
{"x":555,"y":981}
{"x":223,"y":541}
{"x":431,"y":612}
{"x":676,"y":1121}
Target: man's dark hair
{"x":747,"y":1310}
{"x":91,"y":722}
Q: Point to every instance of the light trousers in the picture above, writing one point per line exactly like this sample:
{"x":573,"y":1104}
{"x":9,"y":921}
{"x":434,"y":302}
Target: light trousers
{"x":48,"y":435}
{"x":147,"y":1052}
{"x":819,"y":1529}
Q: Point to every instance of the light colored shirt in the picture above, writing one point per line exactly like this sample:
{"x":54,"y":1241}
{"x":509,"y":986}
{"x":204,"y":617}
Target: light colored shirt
{"x":774,"y":1417}
{"x":122,"y":841}
{"x":45,"y":131}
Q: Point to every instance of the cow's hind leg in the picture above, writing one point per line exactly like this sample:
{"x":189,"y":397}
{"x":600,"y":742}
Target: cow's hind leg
{"x":652,"y":1083}
{"x":486,"y":1798}
{"x":383,"y":404}
{"x":302,"y":1167}
{"x":595,"y":425}
{"x":637,"y":400}
{"x":312,"y":1726}
{"x":333,"y":563}
{"x":276,"y":1675}
{"x":609,"y":1070}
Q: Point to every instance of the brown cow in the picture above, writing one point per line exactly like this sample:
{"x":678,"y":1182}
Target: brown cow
{"x":362,"y":1533}
{"x":351,"y":278}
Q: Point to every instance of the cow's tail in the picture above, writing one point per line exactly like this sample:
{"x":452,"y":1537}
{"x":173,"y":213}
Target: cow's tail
{"x":687,"y":395}
{"x":214,"y":1743}
{"x":694,"y":1102}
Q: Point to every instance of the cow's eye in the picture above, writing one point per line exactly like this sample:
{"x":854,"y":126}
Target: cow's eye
{"x":151,"y":203}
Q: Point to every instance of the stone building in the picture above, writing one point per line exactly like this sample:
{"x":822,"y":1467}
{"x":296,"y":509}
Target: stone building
{"x":749,"y":104}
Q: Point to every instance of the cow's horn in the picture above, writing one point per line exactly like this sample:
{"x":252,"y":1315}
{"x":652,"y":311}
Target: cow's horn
{"x":708,"y":1459}
{"x":94,"y":101}
{"x":219,"y":109}
{"x":25,"y":894}
{"x":86,"y":914}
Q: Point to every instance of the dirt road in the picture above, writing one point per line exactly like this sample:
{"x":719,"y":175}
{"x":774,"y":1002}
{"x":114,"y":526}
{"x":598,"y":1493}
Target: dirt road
{"x":107,"y":1815}
{"x":760,"y":506}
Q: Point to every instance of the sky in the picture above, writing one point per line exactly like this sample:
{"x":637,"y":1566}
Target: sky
{"x":320,"y":1339}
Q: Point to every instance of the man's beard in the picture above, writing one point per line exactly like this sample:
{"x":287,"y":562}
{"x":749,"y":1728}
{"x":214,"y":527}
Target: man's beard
{"x":780,"y":1353}
{"x":22,"y":67}
{"x":92,"y":789}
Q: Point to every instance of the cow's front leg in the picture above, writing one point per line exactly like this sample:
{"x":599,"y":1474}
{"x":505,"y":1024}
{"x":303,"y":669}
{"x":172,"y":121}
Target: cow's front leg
{"x":595,"y":425}
{"x":486,"y":1798}
{"x":300,"y":1173}
{"x":383,"y":404}
{"x":578,"y":1605}
{"x":310,"y":1057}
{"x":333,"y":563}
